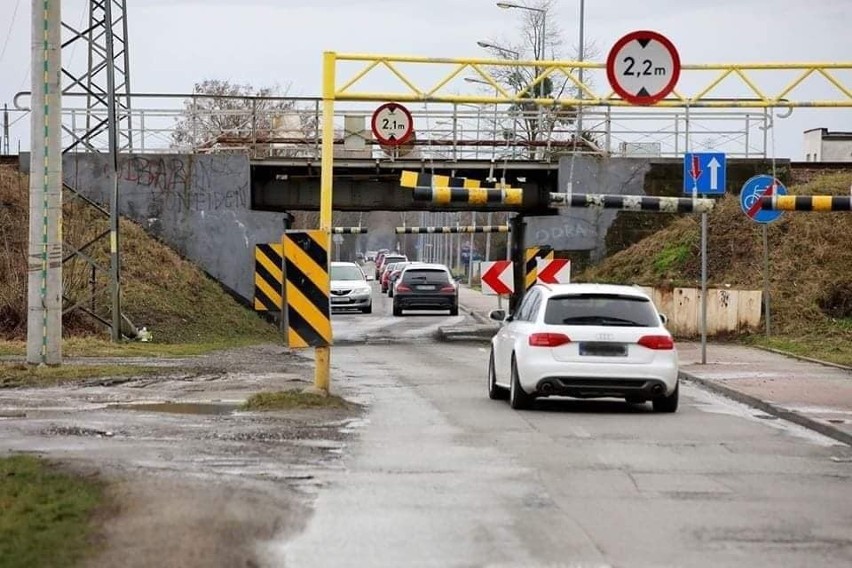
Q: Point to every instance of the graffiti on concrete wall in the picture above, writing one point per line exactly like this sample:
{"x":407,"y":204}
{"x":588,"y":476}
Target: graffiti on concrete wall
{"x":186,"y":184}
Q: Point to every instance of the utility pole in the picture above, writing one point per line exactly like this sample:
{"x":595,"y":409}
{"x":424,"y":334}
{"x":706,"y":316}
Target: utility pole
{"x":4,"y":147}
{"x":112,"y":133}
{"x":44,"y":261}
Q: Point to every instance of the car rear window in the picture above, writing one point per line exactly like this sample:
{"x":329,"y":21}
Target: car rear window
{"x":346,"y":272}
{"x":600,"y":309}
{"x":426,"y":276}
{"x":392,"y":259}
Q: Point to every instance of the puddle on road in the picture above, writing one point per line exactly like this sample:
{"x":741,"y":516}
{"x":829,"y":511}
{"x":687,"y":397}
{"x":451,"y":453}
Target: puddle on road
{"x":180,"y":407}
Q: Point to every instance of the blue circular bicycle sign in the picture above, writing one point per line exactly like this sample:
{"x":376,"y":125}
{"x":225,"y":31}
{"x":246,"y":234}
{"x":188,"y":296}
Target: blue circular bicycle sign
{"x":753,"y":190}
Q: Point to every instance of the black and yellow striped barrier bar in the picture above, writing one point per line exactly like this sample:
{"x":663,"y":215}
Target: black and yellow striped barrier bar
{"x":634,"y":202}
{"x":470,"y":196}
{"x":452,"y":230}
{"x":807,"y":203}
{"x":267,"y":277}
{"x":308,"y":317}
{"x":531,"y":256}
{"x":410,"y":180}
{"x":349,"y":230}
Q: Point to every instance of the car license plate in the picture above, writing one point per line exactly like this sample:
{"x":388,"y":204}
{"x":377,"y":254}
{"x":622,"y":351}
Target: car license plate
{"x":426,"y":287}
{"x":603,"y":349}
{"x":339,"y":300}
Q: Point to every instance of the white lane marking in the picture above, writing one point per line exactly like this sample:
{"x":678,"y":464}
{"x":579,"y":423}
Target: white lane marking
{"x":707,"y":401}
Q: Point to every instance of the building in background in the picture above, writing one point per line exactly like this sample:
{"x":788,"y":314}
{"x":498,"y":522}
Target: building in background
{"x":824,"y":146}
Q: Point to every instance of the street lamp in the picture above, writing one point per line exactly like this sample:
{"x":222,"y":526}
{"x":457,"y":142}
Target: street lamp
{"x":539,"y":55}
{"x":489,"y":45}
{"x":542,"y":45}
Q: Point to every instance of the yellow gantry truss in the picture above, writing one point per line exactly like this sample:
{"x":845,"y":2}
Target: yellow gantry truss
{"x":708,"y":78}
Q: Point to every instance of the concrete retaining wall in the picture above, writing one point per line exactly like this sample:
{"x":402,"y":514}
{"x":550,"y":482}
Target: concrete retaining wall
{"x":727,"y":310}
{"x":199,"y":205}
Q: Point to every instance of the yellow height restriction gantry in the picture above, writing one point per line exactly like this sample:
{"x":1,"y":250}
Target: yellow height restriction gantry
{"x":355,"y":87}
{"x":710,"y":77}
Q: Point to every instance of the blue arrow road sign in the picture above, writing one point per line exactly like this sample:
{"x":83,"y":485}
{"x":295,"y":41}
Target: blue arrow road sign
{"x":704,"y":173}
{"x":753,"y":190}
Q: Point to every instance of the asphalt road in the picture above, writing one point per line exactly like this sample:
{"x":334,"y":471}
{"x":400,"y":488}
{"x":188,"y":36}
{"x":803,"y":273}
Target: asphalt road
{"x":443,"y":476}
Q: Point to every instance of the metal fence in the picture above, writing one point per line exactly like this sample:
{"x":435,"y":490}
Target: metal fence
{"x":286,"y":127}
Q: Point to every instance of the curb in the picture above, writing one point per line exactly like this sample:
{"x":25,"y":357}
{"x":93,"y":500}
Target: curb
{"x":480,"y":333}
{"x":769,"y":408}
{"x":802,"y":357}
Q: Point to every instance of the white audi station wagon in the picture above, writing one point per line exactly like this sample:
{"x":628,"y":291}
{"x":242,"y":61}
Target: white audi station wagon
{"x":584,"y":341}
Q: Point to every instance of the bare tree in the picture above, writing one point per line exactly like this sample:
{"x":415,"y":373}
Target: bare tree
{"x":533,"y":123}
{"x":222,"y":116}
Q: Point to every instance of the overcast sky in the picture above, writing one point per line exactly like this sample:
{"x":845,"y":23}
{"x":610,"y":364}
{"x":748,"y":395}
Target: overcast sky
{"x":175,"y":43}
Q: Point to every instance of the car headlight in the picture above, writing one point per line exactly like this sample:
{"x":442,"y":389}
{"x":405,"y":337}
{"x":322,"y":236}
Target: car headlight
{"x":361,"y":292}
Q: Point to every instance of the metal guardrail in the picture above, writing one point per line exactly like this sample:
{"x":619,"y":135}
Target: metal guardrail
{"x":287,"y":127}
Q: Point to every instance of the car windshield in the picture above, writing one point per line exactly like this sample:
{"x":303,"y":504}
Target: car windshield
{"x":426,"y":276}
{"x":600,"y":309}
{"x":346,"y":272}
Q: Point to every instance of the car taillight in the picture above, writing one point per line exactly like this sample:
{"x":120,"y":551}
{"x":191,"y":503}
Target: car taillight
{"x":448,"y":290}
{"x":548,"y":339}
{"x":402,"y":288}
{"x":657,"y":342}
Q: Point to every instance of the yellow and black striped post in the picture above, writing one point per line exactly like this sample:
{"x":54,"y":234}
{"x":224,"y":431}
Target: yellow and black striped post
{"x":807,"y":203}
{"x":267,"y":277}
{"x":468,"y":195}
{"x":531,"y":256}
{"x":451,"y":230}
{"x":308,"y":313}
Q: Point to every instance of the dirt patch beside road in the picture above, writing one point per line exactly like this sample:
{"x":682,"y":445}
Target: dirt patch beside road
{"x":164,"y":521}
{"x":196,"y":481}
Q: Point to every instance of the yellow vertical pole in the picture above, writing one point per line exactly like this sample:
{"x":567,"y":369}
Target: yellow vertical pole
{"x":322,"y":375}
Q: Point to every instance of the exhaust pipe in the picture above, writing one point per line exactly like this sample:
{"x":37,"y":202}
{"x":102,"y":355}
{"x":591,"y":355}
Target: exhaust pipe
{"x":547,"y":388}
{"x":657,"y":389}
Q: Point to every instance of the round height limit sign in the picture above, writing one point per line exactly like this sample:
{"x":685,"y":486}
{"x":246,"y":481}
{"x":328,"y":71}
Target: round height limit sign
{"x":643,"y":67}
{"x":392,"y":124}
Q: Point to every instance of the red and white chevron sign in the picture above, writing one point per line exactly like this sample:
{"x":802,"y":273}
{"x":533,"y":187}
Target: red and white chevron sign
{"x":556,"y":271}
{"x":497,"y":278}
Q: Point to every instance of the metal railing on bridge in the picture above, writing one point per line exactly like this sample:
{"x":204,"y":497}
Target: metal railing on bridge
{"x":286,"y":128}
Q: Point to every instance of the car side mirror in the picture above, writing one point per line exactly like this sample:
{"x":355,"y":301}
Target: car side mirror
{"x":497,"y":315}
{"x":664,"y":319}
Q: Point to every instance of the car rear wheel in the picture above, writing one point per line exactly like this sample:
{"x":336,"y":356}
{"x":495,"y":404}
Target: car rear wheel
{"x":390,"y":292}
{"x":397,"y":311}
{"x":667,"y":403}
{"x":454,"y":311}
{"x":494,"y":392}
{"x":518,"y":399}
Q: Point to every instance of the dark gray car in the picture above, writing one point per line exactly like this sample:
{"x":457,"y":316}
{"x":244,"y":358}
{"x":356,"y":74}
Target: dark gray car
{"x":425,"y":287}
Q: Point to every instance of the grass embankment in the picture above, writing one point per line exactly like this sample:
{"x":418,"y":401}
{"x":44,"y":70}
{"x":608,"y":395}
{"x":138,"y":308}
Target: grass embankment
{"x":810,"y":274}
{"x":186,"y":311}
{"x":46,"y":515}
{"x":287,"y":400}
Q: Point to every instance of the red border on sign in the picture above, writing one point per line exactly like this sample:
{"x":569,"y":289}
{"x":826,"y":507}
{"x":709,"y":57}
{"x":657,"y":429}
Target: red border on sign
{"x":610,"y":67}
{"x":396,"y":141}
